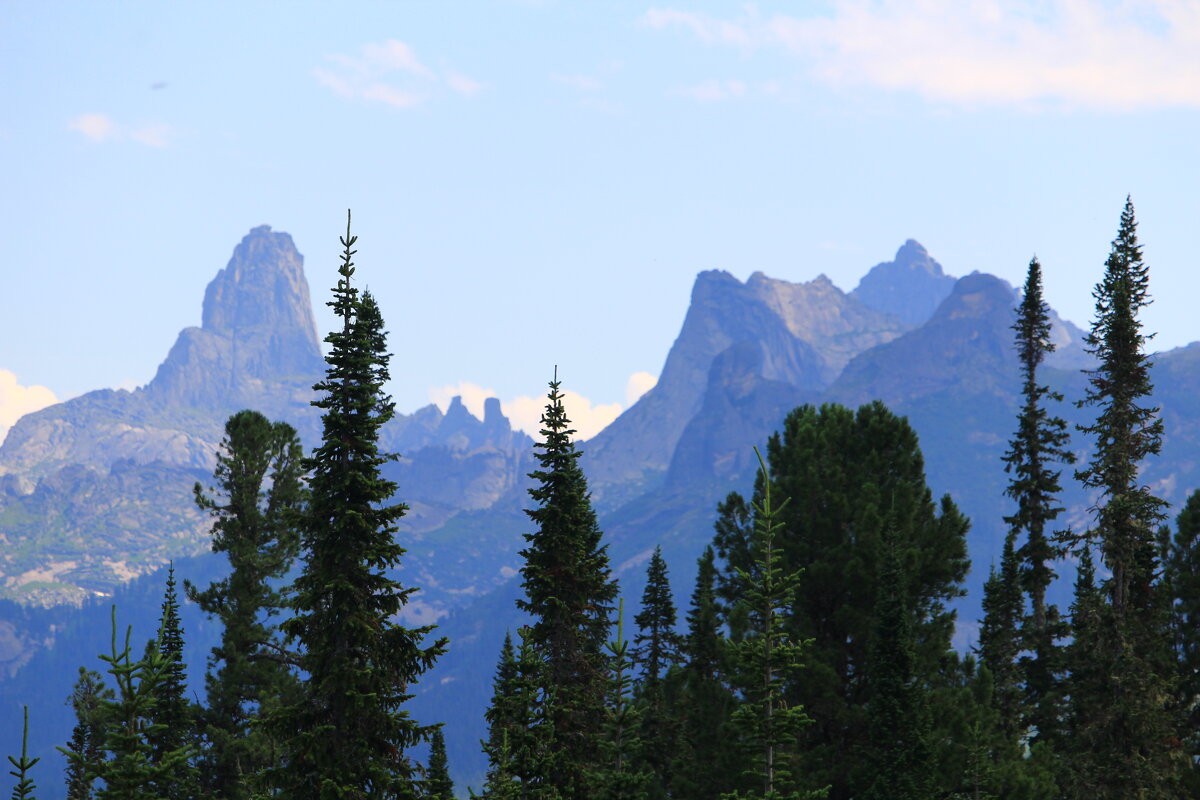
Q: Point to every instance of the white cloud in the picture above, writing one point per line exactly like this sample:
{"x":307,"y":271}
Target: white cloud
{"x":96,"y":127}
{"x":1077,"y":53}
{"x":390,"y":73}
{"x":525,"y":412}
{"x":638,"y":384}
{"x":103,"y":128}
{"x":17,"y":400}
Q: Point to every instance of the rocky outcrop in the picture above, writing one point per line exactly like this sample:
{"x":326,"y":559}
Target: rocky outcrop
{"x":804,"y":334}
{"x":910,"y":287}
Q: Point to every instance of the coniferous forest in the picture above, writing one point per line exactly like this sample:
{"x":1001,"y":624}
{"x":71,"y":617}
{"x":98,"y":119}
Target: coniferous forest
{"x":813,"y":658}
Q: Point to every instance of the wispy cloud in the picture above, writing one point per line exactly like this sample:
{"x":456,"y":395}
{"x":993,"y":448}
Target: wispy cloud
{"x":16,"y":400}
{"x":102,"y":128}
{"x":1122,"y":56}
{"x":525,"y":412}
{"x":390,"y":73}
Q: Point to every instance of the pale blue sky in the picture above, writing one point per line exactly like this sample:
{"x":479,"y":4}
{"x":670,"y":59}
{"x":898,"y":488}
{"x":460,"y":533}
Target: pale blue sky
{"x":537,"y":183}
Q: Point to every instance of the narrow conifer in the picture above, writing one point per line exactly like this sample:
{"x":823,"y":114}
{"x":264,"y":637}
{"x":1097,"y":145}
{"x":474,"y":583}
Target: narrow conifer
{"x":21,"y":766}
{"x":438,"y":785}
{"x":87,"y":737}
{"x":1039,"y":444}
{"x":999,"y":643}
{"x":569,"y":592}
{"x":350,"y":731}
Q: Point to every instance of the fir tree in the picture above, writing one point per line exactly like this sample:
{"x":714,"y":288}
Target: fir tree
{"x":87,"y":737}
{"x":999,"y":644}
{"x":349,"y":731}
{"x":519,"y":740}
{"x":129,"y":767}
{"x":897,"y":713}
{"x":702,"y":766}
{"x":569,"y":592}
{"x":21,"y":766}
{"x":438,"y":785}
{"x":1089,"y":710}
{"x":768,"y":655}
{"x":1136,"y":751}
{"x":657,"y":649}
{"x":255,"y":512}
{"x":1040,"y":442}
{"x":170,"y":717}
{"x":620,"y":775}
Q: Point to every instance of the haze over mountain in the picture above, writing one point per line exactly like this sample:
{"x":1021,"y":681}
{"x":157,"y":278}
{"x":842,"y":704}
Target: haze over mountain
{"x":95,"y":493}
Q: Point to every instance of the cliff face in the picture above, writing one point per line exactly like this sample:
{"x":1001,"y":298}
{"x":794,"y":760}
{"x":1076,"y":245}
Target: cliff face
{"x":803,"y":334}
{"x":910,"y":286}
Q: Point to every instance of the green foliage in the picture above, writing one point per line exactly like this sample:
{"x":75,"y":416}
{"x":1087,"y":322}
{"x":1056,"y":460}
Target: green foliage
{"x":1040,"y":442}
{"x":87,"y":737}
{"x":1182,"y":581}
{"x":897,"y":712}
{"x":438,"y":785}
{"x":620,"y":773}
{"x":763,"y":661}
{"x":171,"y":718}
{"x":843,"y":469}
{"x":657,"y":649}
{"x":999,"y":642}
{"x":255,"y":512}
{"x":1129,"y":725}
{"x":129,"y":766}
{"x":21,"y":766}
{"x":349,"y":730}
{"x":569,"y":592}
{"x":704,"y":766}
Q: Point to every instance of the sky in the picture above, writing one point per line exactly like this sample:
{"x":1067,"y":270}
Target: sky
{"x":538,"y":183}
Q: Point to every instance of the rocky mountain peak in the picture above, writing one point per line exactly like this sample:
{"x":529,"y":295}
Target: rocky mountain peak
{"x":910,"y":286}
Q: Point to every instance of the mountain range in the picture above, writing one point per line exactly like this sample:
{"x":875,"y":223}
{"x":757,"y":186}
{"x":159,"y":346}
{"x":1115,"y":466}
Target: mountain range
{"x":96,"y":492}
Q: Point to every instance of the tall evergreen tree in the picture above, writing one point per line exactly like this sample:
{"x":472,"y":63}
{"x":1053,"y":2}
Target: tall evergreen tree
{"x":519,"y":740}
{"x":438,"y":785}
{"x":843,"y":469}
{"x":1137,"y":756}
{"x":87,"y":737}
{"x":765,"y":659}
{"x":350,"y":729}
{"x":621,"y":773}
{"x":569,"y":592}
{"x":21,"y":766}
{"x":704,"y":766}
{"x":657,"y":649}
{"x":170,"y":717}
{"x":1040,"y":442}
{"x":999,"y":642}
{"x":255,"y":512}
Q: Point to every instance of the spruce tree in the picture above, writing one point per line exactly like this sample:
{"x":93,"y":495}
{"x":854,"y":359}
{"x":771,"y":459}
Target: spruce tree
{"x":1040,"y":442}
{"x":21,"y":766}
{"x":569,"y":593}
{"x":999,"y":643}
{"x":1137,"y":753}
{"x":87,"y":737}
{"x":621,"y":773}
{"x":704,"y":766}
{"x":171,"y":718}
{"x":349,"y":729}
{"x":255,"y":510}
{"x":657,"y":649}
{"x":128,"y":766}
{"x":764,"y":660}
{"x":438,"y":785}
